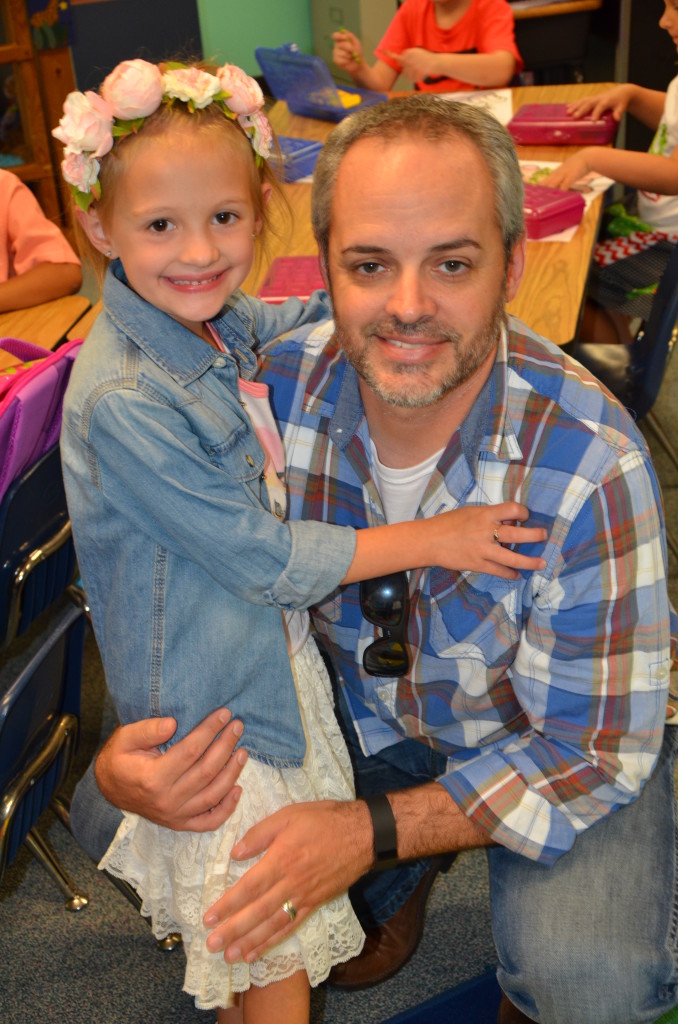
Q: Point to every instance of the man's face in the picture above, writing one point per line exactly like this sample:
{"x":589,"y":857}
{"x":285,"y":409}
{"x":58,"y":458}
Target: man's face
{"x":416,"y":266}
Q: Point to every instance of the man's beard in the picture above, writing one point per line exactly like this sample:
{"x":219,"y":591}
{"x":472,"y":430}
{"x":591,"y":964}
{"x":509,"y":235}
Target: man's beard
{"x":412,"y":390}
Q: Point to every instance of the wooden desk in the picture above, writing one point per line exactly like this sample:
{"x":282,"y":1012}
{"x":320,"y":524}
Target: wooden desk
{"x":45,"y":324}
{"x":551,"y":293}
{"x":546,"y":10}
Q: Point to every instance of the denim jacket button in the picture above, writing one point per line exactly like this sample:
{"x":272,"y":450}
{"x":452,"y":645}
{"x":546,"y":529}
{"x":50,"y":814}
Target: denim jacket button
{"x":220,"y":361}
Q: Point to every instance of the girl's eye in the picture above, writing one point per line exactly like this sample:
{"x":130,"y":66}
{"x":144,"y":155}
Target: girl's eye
{"x":158,"y":226}
{"x":225,"y":217}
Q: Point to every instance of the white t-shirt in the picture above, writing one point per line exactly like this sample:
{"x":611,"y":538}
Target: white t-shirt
{"x":662,"y":211}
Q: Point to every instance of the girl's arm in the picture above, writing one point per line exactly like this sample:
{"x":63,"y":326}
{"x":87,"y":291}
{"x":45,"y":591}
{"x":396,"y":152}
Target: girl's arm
{"x":647,"y":105}
{"x":472,"y":538}
{"x":646,"y":171}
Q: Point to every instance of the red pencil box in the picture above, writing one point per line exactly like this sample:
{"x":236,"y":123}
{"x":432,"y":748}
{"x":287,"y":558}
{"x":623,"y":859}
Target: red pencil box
{"x":549,"y":124}
{"x":550,"y":210}
{"x":291,"y":276}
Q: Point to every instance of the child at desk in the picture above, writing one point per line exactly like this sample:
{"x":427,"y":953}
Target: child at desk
{"x":174,"y":474}
{"x":627,"y":267}
{"x":36,"y":262}
{"x":440,"y":45}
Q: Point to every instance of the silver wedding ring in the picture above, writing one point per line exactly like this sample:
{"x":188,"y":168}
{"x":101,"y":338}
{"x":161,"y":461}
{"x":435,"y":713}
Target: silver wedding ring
{"x":289,"y":910}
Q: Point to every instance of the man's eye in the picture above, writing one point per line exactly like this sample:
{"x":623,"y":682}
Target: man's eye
{"x":369,"y":269}
{"x":452,"y":266}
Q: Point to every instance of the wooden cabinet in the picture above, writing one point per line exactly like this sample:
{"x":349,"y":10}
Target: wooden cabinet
{"x":25,"y":141}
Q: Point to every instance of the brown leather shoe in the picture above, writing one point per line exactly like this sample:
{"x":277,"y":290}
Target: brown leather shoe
{"x":510,"y":1014}
{"x":389,"y":946}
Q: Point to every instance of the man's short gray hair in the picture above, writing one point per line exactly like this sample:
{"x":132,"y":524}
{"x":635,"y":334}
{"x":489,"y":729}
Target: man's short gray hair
{"x":431,"y":118}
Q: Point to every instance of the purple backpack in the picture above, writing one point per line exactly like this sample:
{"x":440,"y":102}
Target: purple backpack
{"x":31,"y":401}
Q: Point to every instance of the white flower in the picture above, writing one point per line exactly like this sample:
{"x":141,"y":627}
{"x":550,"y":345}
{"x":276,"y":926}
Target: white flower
{"x":191,"y":85}
{"x":87,"y":124}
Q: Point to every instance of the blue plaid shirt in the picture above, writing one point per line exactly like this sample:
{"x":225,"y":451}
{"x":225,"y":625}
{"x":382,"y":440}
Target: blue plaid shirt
{"x":546,"y":694}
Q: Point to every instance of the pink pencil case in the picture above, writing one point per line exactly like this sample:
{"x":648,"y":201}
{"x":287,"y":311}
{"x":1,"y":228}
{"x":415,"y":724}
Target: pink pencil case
{"x":291,"y":276}
{"x":549,"y":124}
{"x":550,"y":210}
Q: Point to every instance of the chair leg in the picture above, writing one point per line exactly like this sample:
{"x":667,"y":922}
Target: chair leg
{"x":657,"y":429}
{"x":41,"y":851}
{"x":62,"y":808}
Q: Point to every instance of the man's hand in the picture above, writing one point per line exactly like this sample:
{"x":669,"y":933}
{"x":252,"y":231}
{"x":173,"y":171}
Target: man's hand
{"x":312,"y":852}
{"x":190,"y":787}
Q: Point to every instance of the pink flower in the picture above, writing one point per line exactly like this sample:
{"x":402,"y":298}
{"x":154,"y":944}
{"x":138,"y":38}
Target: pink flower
{"x":86,"y":126}
{"x":245,"y":96}
{"x":133,"y":89}
{"x":259,"y":130}
{"x":191,"y":85}
{"x":80,"y":170}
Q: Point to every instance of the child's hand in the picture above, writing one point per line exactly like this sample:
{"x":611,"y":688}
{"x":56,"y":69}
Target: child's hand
{"x":615,"y":100}
{"x":571,"y":170}
{"x":480,"y":539}
{"x":415,"y":63}
{"x":348,"y":51}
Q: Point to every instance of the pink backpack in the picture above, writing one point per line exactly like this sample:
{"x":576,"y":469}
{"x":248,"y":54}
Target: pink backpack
{"x":31,"y":400}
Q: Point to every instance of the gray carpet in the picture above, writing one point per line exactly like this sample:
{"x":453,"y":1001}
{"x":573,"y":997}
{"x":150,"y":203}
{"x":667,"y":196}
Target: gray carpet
{"x":101,"y":965}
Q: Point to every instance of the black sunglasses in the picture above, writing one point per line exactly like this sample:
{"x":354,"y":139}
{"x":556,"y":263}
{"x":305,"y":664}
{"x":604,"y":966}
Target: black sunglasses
{"x":384,"y":601}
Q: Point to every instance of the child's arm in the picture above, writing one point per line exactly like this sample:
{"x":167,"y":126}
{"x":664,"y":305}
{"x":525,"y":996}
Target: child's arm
{"x":348,"y":55}
{"x":471,"y":538}
{"x":39,"y":284}
{"x":647,"y":171}
{"x":488,"y":70}
{"x":646,"y":105}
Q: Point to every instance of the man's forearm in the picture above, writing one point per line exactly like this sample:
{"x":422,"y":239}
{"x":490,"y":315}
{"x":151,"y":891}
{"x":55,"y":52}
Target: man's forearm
{"x":428,"y":822}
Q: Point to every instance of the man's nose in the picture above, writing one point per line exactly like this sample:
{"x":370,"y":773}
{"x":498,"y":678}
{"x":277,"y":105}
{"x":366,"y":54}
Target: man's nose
{"x":411,"y":296}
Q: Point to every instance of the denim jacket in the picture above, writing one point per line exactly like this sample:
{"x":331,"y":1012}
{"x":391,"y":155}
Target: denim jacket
{"x":185,"y":568}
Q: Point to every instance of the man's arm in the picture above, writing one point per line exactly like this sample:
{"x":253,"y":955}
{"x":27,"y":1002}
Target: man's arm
{"x":190,"y":787}
{"x":314,"y":851}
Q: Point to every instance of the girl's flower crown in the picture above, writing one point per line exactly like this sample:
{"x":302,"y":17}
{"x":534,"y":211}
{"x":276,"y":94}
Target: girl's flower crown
{"x":132,"y":92}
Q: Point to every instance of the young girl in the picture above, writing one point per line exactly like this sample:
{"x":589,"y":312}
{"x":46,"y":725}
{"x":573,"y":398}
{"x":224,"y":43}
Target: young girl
{"x":627,"y":268}
{"x":173,"y":468}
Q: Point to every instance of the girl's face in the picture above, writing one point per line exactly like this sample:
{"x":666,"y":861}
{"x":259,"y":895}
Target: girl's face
{"x":669,"y":19}
{"x":182,"y":222}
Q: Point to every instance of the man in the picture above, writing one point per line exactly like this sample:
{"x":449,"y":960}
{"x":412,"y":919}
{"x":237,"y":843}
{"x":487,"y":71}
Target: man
{"x":522,"y":716}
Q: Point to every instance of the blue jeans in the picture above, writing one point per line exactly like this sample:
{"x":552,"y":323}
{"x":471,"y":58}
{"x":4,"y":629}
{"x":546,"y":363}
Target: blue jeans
{"x":591,"y":940}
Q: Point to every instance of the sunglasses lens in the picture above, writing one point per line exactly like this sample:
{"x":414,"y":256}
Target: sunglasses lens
{"x":386,"y":658}
{"x":382,"y":600}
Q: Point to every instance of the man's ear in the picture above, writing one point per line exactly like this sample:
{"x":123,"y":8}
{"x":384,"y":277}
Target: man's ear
{"x":516,"y":266}
{"x":322,"y":259}
{"x":90,"y":223}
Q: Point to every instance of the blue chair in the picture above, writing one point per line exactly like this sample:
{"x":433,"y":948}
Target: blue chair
{"x":41,"y":641}
{"x":634,"y":373}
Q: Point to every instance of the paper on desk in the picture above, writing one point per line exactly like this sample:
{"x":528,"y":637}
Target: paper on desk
{"x":590,"y":186}
{"x":496,"y":101}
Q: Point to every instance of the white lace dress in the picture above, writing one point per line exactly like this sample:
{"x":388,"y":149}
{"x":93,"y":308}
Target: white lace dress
{"x":178,"y":875}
